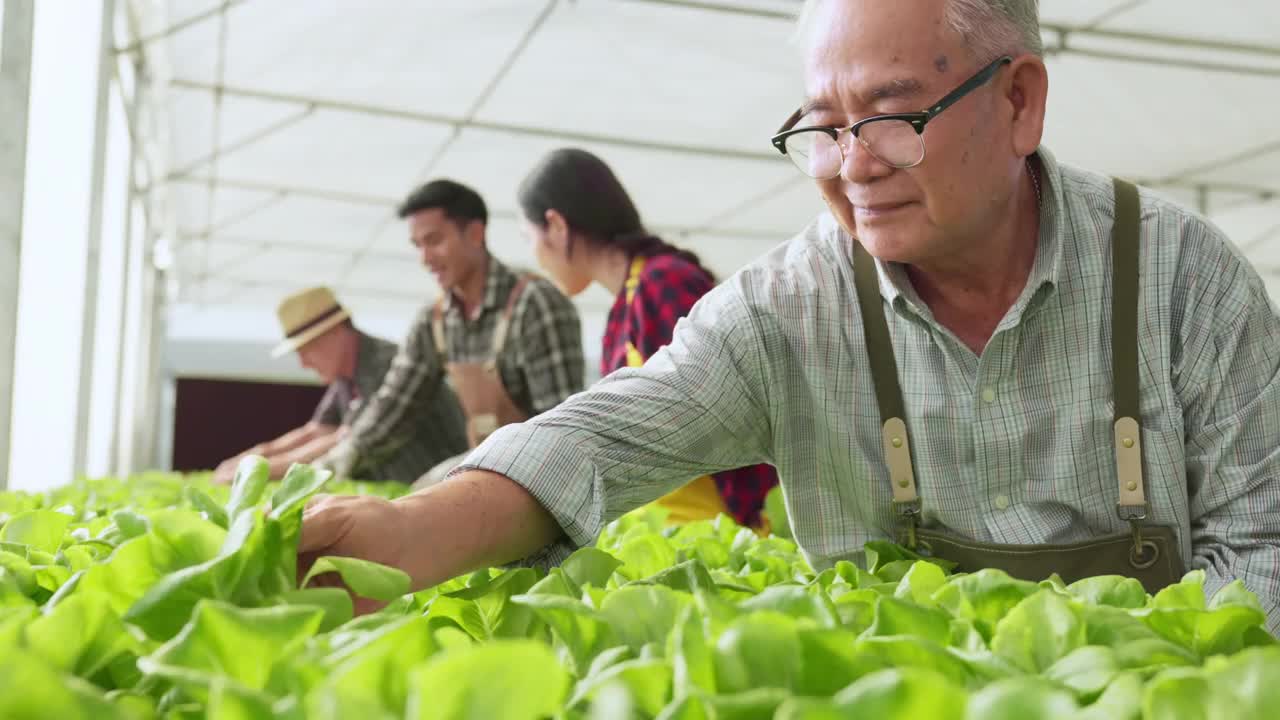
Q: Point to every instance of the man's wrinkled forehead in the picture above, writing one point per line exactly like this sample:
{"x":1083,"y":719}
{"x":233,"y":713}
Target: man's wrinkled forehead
{"x":871,"y":50}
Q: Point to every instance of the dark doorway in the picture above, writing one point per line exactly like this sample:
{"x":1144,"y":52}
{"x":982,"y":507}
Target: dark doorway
{"x":215,"y":419}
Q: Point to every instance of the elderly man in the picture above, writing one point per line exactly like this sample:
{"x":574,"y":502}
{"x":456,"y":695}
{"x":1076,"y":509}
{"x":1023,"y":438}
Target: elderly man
{"x":352,"y":364}
{"x":981,"y":352}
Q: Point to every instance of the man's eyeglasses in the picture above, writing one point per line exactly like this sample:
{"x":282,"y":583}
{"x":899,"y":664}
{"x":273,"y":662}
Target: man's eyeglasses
{"x":895,"y":139}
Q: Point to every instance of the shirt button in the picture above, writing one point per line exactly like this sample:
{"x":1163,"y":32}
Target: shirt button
{"x":1002,"y":502}
{"x":988,"y":394}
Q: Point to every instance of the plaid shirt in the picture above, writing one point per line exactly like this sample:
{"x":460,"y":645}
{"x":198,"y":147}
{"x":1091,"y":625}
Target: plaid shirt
{"x":437,"y":432}
{"x":540,"y":366}
{"x":1014,"y":445}
{"x":668,"y":288}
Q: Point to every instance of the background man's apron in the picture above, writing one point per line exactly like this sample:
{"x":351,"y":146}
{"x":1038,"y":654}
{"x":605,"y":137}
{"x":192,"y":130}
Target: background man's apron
{"x":700,"y":499}
{"x":1148,"y":554}
{"x":478,"y":384}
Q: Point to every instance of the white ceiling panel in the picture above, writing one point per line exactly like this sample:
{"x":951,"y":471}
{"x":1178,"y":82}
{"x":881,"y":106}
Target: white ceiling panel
{"x":386,"y":318}
{"x":706,"y":78}
{"x":193,"y":51}
{"x":1260,"y":168}
{"x":212,"y":259}
{"x":393,"y":238}
{"x":1253,"y":22}
{"x":190,"y":124}
{"x":726,"y":255}
{"x":1110,"y":126}
{"x":185,"y":10}
{"x":229,"y":205}
{"x":304,"y":220}
{"x":217,"y":291}
{"x":277,"y":265}
{"x":783,"y":213}
{"x":402,"y":277}
{"x":242,"y":122}
{"x":679,"y":98}
{"x":1273,"y":288}
{"x":428,"y":57}
{"x":509,"y":245}
{"x":340,"y":152}
{"x":1079,"y":12}
{"x":1253,"y":227}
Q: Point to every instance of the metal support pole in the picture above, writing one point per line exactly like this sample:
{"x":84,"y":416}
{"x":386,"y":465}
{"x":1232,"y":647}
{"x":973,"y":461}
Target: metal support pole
{"x":15,"y":92}
{"x":161,"y":391}
{"x":89,"y":321}
{"x":118,"y":436}
{"x":149,"y":361}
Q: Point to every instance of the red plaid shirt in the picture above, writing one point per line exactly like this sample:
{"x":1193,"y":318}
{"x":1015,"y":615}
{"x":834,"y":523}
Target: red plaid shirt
{"x":668,"y":289}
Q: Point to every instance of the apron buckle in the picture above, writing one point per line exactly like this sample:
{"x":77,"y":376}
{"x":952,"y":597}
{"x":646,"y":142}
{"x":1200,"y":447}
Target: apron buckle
{"x":1131,"y":513}
{"x":909,"y":512}
{"x":1144,"y":553}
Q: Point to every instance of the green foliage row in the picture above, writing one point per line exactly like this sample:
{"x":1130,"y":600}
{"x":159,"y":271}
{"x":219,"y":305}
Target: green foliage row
{"x":162,"y":596}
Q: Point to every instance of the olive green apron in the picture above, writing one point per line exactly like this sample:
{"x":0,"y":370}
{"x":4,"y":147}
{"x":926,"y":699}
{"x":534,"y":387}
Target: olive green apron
{"x":1147,"y":553}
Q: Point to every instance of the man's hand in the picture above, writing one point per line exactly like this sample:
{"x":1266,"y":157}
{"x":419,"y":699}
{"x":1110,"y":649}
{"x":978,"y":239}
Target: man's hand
{"x":473,"y":520}
{"x":357,"y":526}
{"x":226,"y":471}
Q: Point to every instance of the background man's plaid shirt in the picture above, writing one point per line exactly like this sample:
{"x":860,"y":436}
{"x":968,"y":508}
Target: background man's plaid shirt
{"x":540,"y":365}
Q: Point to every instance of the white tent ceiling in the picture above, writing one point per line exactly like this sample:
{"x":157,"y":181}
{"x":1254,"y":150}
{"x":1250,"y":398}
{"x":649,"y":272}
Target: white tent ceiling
{"x":296,"y":127}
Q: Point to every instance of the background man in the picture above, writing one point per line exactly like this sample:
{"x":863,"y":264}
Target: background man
{"x":353,"y":365}
{"x":511,"y":345}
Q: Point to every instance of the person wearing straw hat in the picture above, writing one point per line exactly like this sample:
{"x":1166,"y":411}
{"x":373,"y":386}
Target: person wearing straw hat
{"x":353,"y":364}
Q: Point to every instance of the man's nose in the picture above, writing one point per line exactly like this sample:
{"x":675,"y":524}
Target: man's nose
{"x":860,"y":164}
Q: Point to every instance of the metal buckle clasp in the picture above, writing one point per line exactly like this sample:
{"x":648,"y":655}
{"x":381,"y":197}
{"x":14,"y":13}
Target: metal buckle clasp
{"x":1144,"y":553}
{"x":909,"y":513}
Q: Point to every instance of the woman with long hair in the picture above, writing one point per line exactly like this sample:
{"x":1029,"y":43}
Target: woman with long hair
{"x":585,"y":229}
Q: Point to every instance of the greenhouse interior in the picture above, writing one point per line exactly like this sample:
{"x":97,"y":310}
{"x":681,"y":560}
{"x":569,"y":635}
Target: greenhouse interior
{"x":664,"y":359}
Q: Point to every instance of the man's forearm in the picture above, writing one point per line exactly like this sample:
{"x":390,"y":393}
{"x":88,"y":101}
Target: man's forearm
{"x":474,"y":520}
{"x":322,"y":440}
{"x":291,"y":440}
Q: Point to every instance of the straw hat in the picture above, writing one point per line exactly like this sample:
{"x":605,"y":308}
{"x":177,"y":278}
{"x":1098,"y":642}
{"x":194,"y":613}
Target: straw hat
{"x":306,"y":316}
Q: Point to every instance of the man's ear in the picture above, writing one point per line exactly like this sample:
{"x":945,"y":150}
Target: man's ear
{"x":1027,"y":94}
{"x":475,"y":233}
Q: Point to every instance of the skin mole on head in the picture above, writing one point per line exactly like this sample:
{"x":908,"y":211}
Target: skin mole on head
{"x":940,"y":63}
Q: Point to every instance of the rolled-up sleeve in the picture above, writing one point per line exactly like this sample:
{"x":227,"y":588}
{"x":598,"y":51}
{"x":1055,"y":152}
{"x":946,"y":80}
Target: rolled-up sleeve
{"x":1231,"y":396}
{"x":697,"y":407}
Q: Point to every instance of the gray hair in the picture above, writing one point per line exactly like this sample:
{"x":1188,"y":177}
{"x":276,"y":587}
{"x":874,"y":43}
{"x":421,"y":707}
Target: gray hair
{"x":989,"y":27}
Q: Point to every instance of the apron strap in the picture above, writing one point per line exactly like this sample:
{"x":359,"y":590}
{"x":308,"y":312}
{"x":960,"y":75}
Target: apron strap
{"x":504,"y":322}
{"x":1125,"y":231}
{"x":1132,"y":504}
{"x":634,"y":358}
{"x":884,"y":375}
{"x":437,"y":330}
{"x":633,"y":276}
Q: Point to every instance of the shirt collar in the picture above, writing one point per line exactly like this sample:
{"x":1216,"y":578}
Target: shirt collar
{"x":1045,"y":270}
{"x":498,"y":281}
